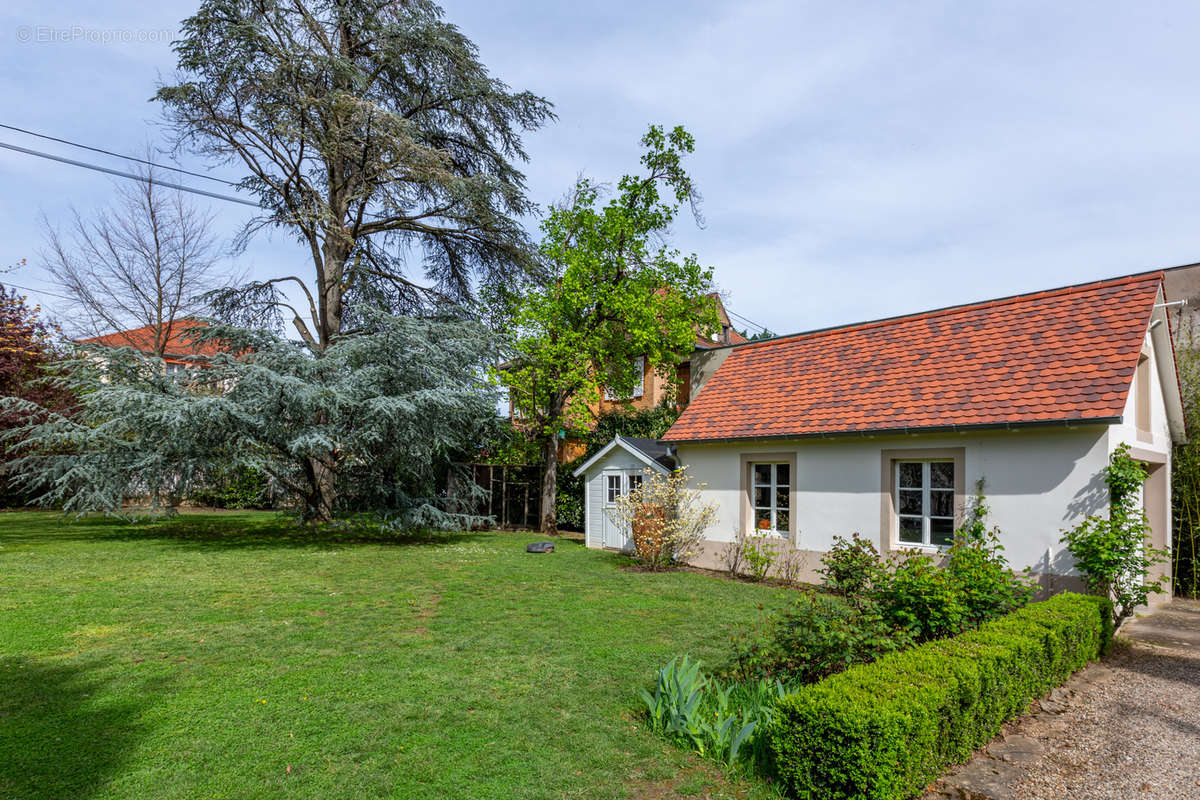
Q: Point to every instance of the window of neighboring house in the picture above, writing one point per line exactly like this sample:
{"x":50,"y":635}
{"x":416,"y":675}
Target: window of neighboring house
{"x":614,"y":488}
{"x":771,"y":491}
{"x":925,"y":503}
{"x":639,"y":389}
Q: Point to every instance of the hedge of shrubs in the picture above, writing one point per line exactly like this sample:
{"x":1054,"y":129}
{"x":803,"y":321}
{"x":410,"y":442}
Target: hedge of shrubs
{"x":885,"y":730}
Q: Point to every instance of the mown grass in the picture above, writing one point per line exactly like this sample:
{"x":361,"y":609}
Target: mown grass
{"x":234,"y":655}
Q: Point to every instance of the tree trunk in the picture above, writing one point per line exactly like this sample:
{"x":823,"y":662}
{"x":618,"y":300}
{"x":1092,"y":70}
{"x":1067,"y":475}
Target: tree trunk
{"x":549,"y":488}
{"x":323,"y":484}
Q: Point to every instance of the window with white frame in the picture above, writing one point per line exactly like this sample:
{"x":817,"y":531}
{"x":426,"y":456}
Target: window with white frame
{"x":614,"y":488}
{"x":635,"y":481}
{"x":639,"y":388}
{"x":925,"y":503}
{"x":771,"y":493}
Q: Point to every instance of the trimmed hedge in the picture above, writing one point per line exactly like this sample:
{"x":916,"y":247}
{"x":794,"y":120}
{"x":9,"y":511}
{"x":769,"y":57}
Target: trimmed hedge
{"x":886,"y":730}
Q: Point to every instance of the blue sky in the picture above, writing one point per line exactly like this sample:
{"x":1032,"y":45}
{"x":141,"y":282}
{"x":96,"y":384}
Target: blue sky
{"x":857,"y":159}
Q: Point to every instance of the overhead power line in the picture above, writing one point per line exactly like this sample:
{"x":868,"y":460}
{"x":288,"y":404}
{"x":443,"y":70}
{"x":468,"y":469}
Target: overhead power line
{"x":743,"y":319}
{"x":116,"y":155}
{"x":31,"y":289}
{"x":131,"y":176}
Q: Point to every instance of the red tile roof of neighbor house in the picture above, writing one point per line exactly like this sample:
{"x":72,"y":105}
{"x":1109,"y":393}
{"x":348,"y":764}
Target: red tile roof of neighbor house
{"x":179,"y":344}
{"x":1058,"y":355}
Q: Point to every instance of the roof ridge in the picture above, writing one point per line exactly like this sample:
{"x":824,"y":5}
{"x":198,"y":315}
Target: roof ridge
{"x":977,"y":304}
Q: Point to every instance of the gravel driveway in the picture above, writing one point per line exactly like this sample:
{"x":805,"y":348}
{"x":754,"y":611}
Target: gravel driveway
{"x":1125,"y":729}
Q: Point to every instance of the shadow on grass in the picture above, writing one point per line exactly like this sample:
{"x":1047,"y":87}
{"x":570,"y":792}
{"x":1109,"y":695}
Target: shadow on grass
{"x":220,"y":532}
{"x":62,"y":734}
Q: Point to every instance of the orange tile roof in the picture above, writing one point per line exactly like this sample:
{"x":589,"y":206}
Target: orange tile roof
{"x":1058,"y":355}
{"x":179,"y":345}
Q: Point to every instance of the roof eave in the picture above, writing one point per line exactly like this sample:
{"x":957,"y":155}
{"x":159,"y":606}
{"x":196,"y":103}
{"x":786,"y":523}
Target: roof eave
{"x":906,"y":431}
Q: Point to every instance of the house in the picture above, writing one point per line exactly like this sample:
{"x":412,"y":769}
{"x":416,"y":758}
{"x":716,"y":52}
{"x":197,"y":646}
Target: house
{"x":179,"y":352}
{"x":885,"y":428}
{"x":620,"y":466}
{"x":653,"y":389}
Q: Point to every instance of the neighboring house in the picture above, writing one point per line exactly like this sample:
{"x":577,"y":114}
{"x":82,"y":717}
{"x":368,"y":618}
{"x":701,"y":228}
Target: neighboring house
{"x":179,"y":352}
{"x":884,"y":428}
{"x":1182,"y":285}
{"x":652,"y":390}
{"x":619,"y":467}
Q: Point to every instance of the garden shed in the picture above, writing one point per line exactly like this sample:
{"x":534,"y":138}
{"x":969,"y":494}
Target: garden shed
{"x":619,"y":467}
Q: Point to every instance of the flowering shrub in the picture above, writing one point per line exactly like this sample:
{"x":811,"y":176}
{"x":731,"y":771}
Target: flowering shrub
{"x":666,"y":518}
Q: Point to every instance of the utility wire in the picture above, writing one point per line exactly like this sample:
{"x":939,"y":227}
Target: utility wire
{"x":129,"y":175}
{"x":31,"y":289}
{"x":116,"y":155}
{"x":743,"y":319}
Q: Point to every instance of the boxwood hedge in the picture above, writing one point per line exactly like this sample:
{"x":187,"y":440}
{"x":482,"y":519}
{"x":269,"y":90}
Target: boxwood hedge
{"x":885,"y":730}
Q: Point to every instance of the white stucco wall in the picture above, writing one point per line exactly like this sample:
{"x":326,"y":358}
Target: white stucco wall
{"x":1160,"y":431}
{"x":1038,"y":482}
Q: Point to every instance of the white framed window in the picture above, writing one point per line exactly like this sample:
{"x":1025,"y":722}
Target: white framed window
{"x":613,"y":487}
{"x":639,"y":388}
{"x":770,"y":490}
{"x":635,"y":480}
{"x":925,"y":503}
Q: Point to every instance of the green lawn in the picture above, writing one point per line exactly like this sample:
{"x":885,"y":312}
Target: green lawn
{"x":233,"y":656}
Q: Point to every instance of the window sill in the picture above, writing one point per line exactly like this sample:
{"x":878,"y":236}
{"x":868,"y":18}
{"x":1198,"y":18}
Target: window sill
{"x":924,"y":548}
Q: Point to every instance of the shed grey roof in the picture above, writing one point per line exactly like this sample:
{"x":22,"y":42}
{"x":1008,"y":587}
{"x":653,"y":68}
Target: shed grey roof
{"x":650,"y":451}
{"x":653,"y":449}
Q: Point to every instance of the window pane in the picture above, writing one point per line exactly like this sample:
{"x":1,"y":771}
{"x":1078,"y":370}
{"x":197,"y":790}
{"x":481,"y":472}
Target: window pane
{"x":783,"y":474}
{"x":762,"y":497}
{"x":910,"y":530}
{"x":762,"y":474}
{"x":910,"y":474}
{"x":941,"y":531}
{"x":614,"y":488}
{"x":941,"y":475}
{"x":782,"y":521}
{"x":941,"y":503}
{"x":910,"y":501}
{"x":762,"y":519}
{"x":635,"y":482}
{"x":781,"y":497}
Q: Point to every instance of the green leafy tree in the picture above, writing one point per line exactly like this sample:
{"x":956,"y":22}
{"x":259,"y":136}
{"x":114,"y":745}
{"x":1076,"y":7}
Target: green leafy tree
{"x":1113,"y":554}
{"x":614,"y":293}
{"x":394,"y":406}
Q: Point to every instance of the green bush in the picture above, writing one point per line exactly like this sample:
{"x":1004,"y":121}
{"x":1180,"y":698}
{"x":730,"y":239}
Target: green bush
{"x":236,"y":487}
{"x":885,"y":730}
{"x":921,"y":597}
{"x":852,"y":568}
{"x":816,"y":635}
{"x":1113,"y":554}
{"x":987,"y":588}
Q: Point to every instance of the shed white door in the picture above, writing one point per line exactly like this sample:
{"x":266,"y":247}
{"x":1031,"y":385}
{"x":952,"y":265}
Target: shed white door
{"x":615,"y":483}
